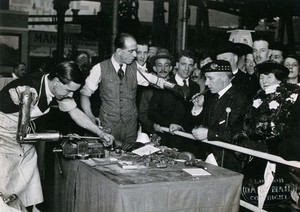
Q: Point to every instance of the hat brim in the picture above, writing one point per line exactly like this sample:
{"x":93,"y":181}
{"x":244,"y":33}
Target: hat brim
{"x":156,"y":57}
{"x":239,"y":49}
{"x":242,"y":49}
{"x":270,"y":67}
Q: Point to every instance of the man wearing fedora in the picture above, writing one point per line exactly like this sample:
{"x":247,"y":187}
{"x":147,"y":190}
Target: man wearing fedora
{"x":162,"y":64}
{"x":221,"y":111}
{"x":170,"y":110}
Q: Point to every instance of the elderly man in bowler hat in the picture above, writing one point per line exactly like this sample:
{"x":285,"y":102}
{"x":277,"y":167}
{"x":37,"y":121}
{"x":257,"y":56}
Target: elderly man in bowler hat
{"x":221,"y":110}
{"x":162,"y":64}
{"x":230,"y":52}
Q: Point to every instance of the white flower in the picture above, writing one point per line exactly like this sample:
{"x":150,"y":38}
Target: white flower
{"x":273,"y":105}
{"x":256,"y":103}
{"x":272,"y":127}
{"x":292,"y":98}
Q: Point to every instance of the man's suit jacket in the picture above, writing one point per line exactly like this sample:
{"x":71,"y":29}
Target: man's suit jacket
{"x":166,"y":108}
{"x":240,"y":81}
{"x":223,"y":117}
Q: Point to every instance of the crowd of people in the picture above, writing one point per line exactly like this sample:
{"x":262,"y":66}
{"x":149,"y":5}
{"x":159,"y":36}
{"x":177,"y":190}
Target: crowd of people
{"x":246,"y":94}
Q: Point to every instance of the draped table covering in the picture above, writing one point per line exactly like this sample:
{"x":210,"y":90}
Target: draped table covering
{"x":87,"y":186}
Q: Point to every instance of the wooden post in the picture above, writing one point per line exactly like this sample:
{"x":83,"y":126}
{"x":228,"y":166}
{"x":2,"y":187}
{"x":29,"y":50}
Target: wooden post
{"x":115,"y":23}
{"x":182,"y":24}
{"x":173,"y":31}
{"x":61,"y":6}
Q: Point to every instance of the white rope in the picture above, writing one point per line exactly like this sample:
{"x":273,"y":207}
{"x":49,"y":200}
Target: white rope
{"x":244,"y":150}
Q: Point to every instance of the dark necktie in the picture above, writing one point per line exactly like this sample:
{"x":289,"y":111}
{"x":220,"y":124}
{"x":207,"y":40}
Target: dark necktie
{"x":186,"y":90}
{"x":43,"y":103}
{"x":213,"y":107}
{"x":121,"y":72}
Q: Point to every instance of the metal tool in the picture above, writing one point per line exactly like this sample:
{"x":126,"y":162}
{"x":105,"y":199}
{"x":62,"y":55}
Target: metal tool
{"x":26,"y":99}
{"x":54,"y":136}
{"x":199,"y":94}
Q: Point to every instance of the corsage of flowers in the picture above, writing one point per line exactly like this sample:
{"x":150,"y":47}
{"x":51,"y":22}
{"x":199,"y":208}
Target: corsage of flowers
{"x":270,"y":113}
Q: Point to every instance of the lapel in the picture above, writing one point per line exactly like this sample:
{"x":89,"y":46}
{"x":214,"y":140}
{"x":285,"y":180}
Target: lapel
{"x":172,"y":79}
{"x":43,"y":103}
{"x":219,"y":110}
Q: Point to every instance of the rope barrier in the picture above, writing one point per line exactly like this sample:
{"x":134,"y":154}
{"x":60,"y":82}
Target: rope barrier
{"x":244,"y":150}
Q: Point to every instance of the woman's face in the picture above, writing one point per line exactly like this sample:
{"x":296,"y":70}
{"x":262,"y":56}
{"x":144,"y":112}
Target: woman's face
{"x":293,"y":66}
{"x":266,"y":80}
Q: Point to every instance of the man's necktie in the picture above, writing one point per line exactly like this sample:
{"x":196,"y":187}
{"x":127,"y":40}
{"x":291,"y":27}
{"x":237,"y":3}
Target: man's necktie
{"x":212,"y":108}
{"x":186,"y":90}
{"x":121,"y":72}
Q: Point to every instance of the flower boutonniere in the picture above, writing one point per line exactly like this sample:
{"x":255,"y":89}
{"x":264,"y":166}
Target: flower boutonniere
{"x":273,"y":104}
{"x":292,"y":98}
{"x":256,"y":103}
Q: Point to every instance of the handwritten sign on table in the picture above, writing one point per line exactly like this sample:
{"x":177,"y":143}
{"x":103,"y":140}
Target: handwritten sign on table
{"x":145,"y":150}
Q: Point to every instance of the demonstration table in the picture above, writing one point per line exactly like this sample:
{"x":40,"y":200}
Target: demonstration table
{"x":87,"y":186}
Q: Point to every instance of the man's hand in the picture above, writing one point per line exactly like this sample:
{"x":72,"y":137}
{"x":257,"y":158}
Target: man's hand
{"x":107,"y":139}
{"x":198,"y":100}
{"x":16,"y":94}
{"x":157,"y":128}
{"x":174,"y":127}
{"x":200,"y":133}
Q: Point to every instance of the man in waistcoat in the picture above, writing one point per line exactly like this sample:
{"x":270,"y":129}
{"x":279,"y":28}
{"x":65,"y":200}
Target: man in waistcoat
{"x":19,"y":172}
{"x":117,"y":79}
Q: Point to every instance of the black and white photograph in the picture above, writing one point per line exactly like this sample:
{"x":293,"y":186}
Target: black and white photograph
{"x":149,"y":105}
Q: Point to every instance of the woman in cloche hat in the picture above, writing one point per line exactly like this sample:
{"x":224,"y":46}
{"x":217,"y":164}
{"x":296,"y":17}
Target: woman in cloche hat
{"x":273,"y":119}
{"x":272,"y":122}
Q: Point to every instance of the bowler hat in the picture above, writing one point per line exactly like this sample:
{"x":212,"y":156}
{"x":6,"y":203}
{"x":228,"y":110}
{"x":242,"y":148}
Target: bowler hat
{"x":242,"y":49}
{"x":217,"y":66}
{"x":162,"y":53}
{"x":280,"y":71}
{"x":237,"y":48}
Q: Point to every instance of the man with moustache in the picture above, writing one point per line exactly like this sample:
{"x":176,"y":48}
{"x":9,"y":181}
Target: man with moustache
{"x":118,"y":78}
{"x":276,"y":52}
{"x":261,"y":52}
{"x":162,"y":64}
{"x":221,"y":111}
{"x":173,"y":111}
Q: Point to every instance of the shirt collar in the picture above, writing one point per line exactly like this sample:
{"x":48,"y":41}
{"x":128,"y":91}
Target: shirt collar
{"x":222,"y":92}
{"x":49,"y":95}
{"x":179,"y":80}
{"x":116,"y":65}
{"x":141,"y":67}
{"x":235,"y":71}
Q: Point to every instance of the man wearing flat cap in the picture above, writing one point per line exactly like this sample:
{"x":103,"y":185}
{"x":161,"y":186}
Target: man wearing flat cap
{"x":222,"y":112}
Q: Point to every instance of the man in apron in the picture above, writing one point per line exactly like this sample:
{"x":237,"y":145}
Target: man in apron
{"x":19,"y":173}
